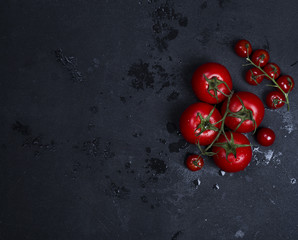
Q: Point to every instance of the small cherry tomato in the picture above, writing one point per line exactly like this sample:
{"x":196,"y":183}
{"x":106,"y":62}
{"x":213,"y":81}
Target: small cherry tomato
{"x":254,"y":76}
{"x":272,"y":70}
{"x":260,"y":57}
{"x":286,"y":83}
{"x":243,"y":48}
{"x":194,"y":162}
{"x":265,"y":136}
{"x":275,"y":99}
{"x":233,"y":152}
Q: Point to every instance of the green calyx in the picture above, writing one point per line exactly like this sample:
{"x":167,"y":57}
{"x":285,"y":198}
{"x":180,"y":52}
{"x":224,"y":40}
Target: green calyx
{"x":205,"y":123}
{"x":274,"y":69}
{"x":243,"y":114}
{"x":290,"y":82}
{"x":230,"y":146}
{"x":276,"y":101}
{"x":196,"y":162}
{"x":254,"y":77}
{"x":213,"y":84}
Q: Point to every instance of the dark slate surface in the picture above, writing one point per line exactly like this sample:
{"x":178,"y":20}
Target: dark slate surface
{"x":91,"y":94}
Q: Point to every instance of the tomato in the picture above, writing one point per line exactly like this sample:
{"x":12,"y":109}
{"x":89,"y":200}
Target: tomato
{"x":233,"y":152}
{"x":265,"y":136}
{"x":200,"y":116}
{"x":212,"y":83}
{"x":247,"y":117}
{"x":194,"y":162}
{"x":243,"y":48}
{"x":260,"y":57}
{"x":254,"y":76}
{"x":286,"y":83}
{"x":272,"y":69}
{"x":275,"y":99}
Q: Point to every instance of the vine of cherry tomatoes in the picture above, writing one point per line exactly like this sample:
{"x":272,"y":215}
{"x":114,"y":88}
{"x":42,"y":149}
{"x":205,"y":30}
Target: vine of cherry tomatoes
{"x":219,"y":132}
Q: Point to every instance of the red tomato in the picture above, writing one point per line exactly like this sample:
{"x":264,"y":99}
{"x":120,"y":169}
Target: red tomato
{"x":260,"y":57}
{"x":194,"y":162}
{"x":265,"y":136}
{"x":243,"y":48}
{"x":275,"y":99}
{"x":242,"y":117}
{"x":233,"y":153}
{"x":254,"y":76}
{"x":272,"y":70}
{"x":286,"y":83}
{"x":212,"y":83}
{"x":200,"y":116}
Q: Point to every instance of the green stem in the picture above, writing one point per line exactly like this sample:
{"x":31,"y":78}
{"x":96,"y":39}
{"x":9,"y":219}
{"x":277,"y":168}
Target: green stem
{"x":273,"y":80}
{"x":221,"y":130}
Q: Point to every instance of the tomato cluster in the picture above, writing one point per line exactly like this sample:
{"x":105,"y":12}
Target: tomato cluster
{"x":262,"y":69}
{"x":219,"y":128}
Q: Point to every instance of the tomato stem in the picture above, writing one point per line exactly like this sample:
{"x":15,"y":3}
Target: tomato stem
{"x":221,"y":130}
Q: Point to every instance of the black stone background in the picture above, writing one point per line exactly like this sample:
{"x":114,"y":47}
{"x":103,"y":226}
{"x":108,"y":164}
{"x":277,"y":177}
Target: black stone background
{"x":91,"y":93}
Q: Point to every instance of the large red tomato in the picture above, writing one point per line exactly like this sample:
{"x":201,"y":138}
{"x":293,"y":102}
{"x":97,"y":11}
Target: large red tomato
{"x":200,"y":122}
{"x":246,"y":112}
{"x":212,"y":83}
{"x":233,"y":152}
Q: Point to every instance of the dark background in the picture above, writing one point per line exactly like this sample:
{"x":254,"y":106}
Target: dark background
{"x":91,"y":93}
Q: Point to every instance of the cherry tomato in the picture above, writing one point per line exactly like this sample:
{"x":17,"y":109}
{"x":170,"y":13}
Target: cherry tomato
{"x":233,"y":152}
{"x":265,"y":136}
{"x":286,"y":83}
{"x":194,"y":162}
{"x":275,"y":99}
{"x":200,"y":116}
{"x":260,"y":57}
{"x":254,"y":76}
{"x":272,"y":69}
{"x":243,"y":48}
{"x":247,"y":117}
{"x":212,"y":83}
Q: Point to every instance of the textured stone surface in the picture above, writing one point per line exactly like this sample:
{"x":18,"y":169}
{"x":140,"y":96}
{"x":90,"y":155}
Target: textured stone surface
{"x":91,"y":93}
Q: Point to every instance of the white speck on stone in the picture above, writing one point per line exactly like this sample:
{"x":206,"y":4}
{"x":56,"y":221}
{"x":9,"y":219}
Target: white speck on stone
{"x":239,"y":234}
{"x":293,"y":180}
{"x":197,"y":182}
{"x":272,"y":202}
{"x":216,"y":186}
{"x":222,"y":173}
{"x":268,"y":156}
{"x":288,"y":122}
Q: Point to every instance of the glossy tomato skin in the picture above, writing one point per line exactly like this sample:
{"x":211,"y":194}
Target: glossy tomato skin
{"x":189,"y":121}
{"x":243,"y":48}
{"x":211,"y":71}
{"x":286,"y":83}
{"x":260,"y":57}
{"x":251,"y":102}
{"x":265,"y":136}
{"x":194,"y":162}
{"x":275,"y":99}
{"x":254,"y":76}
{"x":243,"y":154}
{"x":272,"y":69}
